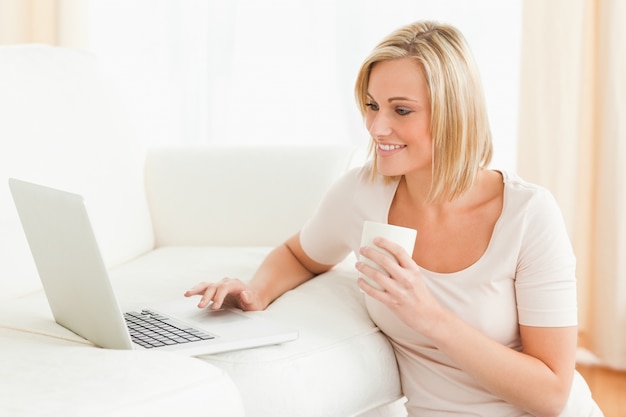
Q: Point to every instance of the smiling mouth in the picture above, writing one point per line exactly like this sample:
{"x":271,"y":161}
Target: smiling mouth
{"x":385,"y":147}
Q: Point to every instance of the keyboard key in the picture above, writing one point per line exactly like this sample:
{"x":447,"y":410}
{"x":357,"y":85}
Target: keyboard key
{"x":149,"y":329}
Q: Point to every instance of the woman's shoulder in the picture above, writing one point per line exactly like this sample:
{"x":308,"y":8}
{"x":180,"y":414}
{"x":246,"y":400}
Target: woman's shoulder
{"x":361,"y":191}
{"x":364,"y":176}
{"x":515,"y":181}
{"x":537,"y":202}
{"x":361,"y":173}
{"x":365,"y":183}
{"x":524,"y":192}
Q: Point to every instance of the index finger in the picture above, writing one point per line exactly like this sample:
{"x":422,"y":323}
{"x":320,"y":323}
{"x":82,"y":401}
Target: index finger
{"x":403,"y":257}
{"x":198,"y":289}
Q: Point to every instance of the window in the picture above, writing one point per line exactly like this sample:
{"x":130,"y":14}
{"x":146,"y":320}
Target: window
{"x":282,"y":71}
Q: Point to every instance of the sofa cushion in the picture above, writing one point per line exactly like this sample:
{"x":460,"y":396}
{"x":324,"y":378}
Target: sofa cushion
{"x":242,"y":196}
{"x":341,"y":365}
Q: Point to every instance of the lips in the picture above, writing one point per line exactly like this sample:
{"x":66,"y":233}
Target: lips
{"x":389,"y":147}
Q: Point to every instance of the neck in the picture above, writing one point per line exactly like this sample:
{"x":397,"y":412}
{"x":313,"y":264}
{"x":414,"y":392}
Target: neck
{"x":417,"y":189}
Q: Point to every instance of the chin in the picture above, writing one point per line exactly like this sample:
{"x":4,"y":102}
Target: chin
{"x":387,"y":171}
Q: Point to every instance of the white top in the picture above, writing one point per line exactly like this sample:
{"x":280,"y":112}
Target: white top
{"x":526,"y":276}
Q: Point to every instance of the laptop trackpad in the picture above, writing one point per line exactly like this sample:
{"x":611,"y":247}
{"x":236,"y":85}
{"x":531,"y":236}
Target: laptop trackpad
{"x":218,"y":316}
{"x":220,"y":322}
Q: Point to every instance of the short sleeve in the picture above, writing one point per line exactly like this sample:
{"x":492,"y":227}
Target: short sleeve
{"x":335,"y":228}
{"x":325,"y":237}
{"x":545,"y":280}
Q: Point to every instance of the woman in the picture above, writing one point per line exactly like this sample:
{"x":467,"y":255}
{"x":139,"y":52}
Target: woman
{"x":482,"y":315}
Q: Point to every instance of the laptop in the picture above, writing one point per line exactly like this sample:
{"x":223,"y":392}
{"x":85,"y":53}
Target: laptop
{"x":81,"y":297}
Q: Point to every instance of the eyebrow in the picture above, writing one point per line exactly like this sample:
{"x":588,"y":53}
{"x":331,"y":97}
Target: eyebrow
{"x":399,"y":98}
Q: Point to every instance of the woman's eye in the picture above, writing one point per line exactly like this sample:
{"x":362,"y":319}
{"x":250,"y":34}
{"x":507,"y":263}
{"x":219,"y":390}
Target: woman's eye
{"x":372,"y":106}
{"x":402,"y":111}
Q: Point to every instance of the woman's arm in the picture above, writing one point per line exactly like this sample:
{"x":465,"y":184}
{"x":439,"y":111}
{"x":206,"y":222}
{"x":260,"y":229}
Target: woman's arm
{"x":285,"y":267}
{"x":538,"y":379}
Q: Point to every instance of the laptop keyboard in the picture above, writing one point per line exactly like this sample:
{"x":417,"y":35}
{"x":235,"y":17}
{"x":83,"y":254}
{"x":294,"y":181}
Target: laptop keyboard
{"x":150,"y":329}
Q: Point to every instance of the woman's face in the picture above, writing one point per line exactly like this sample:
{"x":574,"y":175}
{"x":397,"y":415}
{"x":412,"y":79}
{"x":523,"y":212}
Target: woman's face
{"x":398,"y":117}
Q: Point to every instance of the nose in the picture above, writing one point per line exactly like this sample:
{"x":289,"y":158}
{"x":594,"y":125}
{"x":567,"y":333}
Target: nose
{"x":378,"y":125}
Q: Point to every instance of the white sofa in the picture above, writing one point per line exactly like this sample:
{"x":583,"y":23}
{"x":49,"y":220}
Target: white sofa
{"x":167,"y":218}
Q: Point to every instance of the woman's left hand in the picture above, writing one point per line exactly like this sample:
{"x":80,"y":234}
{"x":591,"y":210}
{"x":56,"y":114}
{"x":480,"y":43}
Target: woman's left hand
{"x":543,"y":370}
{"x":404,"y":290}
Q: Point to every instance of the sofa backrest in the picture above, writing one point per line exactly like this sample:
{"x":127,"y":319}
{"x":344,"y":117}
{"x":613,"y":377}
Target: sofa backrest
{"x":241,"y":196}
{"x":62,"y":126}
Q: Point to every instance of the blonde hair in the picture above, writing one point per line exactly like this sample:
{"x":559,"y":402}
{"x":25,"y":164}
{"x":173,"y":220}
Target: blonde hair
{"x":459,"y":125}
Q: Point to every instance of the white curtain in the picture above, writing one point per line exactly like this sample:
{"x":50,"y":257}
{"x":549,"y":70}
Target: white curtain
{"x":572,"y":139}
{"x":282,"y":71}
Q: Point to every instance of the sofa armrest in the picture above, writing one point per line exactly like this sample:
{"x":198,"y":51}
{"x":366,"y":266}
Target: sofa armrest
{"x":238,"y":196}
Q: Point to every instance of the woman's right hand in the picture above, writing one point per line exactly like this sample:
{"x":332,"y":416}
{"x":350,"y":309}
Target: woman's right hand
{"x":283,"y":269}
{"x":227,"y":293}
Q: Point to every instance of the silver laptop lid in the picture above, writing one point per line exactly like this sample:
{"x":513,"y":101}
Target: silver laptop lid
{"x":71,"y":269}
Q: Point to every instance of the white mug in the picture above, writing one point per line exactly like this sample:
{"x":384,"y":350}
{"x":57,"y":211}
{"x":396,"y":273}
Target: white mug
{"x":403,"y":236}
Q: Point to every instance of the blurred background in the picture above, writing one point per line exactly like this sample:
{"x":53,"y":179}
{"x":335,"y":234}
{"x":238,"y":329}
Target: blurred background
{"x":262,"y":72}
